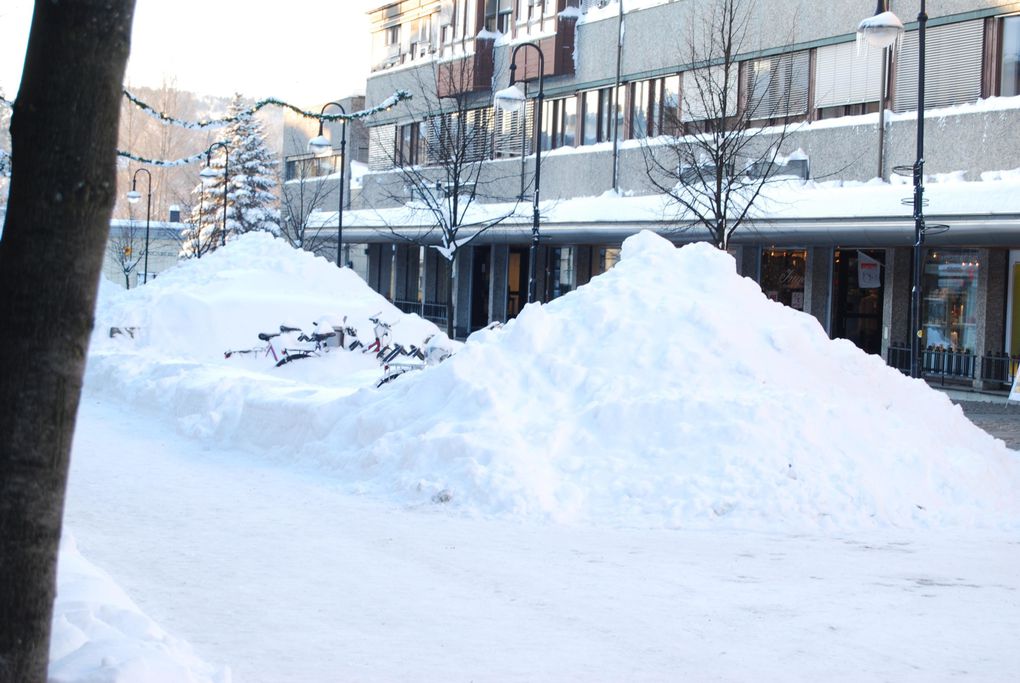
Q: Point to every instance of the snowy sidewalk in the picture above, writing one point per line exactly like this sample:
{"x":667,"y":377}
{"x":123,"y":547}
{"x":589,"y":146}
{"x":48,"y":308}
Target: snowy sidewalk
{"x":279,"y":575}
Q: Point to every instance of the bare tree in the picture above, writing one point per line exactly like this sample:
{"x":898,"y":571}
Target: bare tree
{"x":299,"y":197}
{"x":58,"y":217}
{"x":724,"y":138}
{"x":442,"y":162}
{"x":126,"y":247}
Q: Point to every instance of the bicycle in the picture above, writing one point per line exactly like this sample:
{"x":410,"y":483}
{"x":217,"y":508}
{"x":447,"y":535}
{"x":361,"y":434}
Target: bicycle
{"x":318,"y":341}
{"x":268,"y":349}
{"x":419,"y":358}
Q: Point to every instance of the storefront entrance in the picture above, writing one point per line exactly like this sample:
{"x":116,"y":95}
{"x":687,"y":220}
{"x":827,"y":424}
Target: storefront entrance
{"x":516,"y":281}
{"x":857,"y":297}
{"x":480,"y":264}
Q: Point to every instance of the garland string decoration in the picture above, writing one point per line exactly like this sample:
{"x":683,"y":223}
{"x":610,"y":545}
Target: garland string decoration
{"x":387,"y":104}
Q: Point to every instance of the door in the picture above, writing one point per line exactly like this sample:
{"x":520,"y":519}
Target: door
{"x":858,"y":297}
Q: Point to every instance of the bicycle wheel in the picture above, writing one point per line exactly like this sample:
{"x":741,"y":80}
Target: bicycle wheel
{"x":292,"y":356}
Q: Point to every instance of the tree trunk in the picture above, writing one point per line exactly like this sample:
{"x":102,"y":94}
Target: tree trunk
{"x":450,"y":310}
{"x":64,"y":136}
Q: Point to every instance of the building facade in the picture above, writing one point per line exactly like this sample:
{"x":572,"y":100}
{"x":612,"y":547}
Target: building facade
{"x":616,"y":82}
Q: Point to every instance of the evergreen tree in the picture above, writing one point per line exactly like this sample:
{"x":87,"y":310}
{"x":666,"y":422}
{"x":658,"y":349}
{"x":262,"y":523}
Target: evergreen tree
{"x":251,"y":204}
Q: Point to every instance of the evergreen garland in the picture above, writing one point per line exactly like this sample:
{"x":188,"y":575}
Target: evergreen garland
{"x":388,"y":103}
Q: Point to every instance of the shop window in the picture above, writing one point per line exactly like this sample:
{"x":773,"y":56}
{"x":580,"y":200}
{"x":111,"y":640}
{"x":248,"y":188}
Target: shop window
{"x":1009,"y":83}
{"x":950,"y":300}
{"x":562,"y":272}
{"x":607,"y":258}
{"x":782,"y":276}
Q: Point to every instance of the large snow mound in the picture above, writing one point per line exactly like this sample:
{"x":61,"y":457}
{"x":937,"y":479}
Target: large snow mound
{"x":671,"y":390}
{"x":668,"y":391}
{"x":202,"y":307}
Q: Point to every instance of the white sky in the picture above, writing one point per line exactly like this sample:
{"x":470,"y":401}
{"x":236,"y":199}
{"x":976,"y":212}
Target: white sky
{"x":304,"y":51}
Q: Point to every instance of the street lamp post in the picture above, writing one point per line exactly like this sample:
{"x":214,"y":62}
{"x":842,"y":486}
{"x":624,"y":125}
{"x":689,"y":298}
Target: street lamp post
{"x":209,"y":177}
{"x":133,"y":196}
{"x":512,"y":99}
{"x":321,"y":147}
{"x":882,"y":31}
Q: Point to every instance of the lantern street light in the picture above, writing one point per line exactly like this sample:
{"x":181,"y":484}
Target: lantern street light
{"x":513,"y":99}
{"x":209,"y":177}
{"x":320,"y":146}
{"x":882,"y":31}
{"x":133,"y":196}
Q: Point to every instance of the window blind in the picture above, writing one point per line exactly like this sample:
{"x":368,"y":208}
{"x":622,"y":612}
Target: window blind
{"x":845,"y":76}
{"x":953,"y":59}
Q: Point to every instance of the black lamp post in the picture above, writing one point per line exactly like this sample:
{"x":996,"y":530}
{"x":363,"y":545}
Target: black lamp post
{"x":133,"y":196}
{"x":209,"y":177}
{"x":883,"y":30}
{"x":321,"y":147}
{"x":512,"y":99}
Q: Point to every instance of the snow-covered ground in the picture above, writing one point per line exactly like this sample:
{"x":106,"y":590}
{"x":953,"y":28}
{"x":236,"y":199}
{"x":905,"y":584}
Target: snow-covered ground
{"x":660,"y":475}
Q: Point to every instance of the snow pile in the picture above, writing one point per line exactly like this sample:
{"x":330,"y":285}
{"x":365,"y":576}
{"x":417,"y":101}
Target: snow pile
{"x":669,"y":390}
{"x":99,"y":634}
{"x":203,"y":307}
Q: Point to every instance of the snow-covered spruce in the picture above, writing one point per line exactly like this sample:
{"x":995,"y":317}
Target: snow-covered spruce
{"x":251,"y":203}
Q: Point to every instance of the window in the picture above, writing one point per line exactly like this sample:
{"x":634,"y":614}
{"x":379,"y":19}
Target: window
{"x":409,"y":150}
{"x":953,"y":59}
{"x":393,"y":35}
{"x":950,"y":300}
{"x":654,"y":106}
{"x":639,"y":93}
{"x":497,"y":15}
{"x":846,"y":78}
{"x":562,"y":271}
{"x":597,"y":116}
{"x":466,"y":136}
{"x":782,"y":276}
{"x":300,"y":168}
{"x":559,"y":123}
{"x":777,"y":87}
{"x":513,"y":132}
{"x":1009,"y":83}
{"x":608,"y":257}
{"x":704,"y":92}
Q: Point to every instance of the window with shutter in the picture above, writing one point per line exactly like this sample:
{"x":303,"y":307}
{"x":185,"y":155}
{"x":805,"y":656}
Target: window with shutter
{"x":512,"y":132}
{"x":844,"y":75}
{"x":380,"y":147}
{"x":702,"y":92}
{"x":778,"y":86}
{"x":953,"y":58}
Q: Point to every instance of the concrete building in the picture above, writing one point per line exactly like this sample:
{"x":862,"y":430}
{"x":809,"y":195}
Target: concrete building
{"x":615,"y":82}
{"x":311,"y":182}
